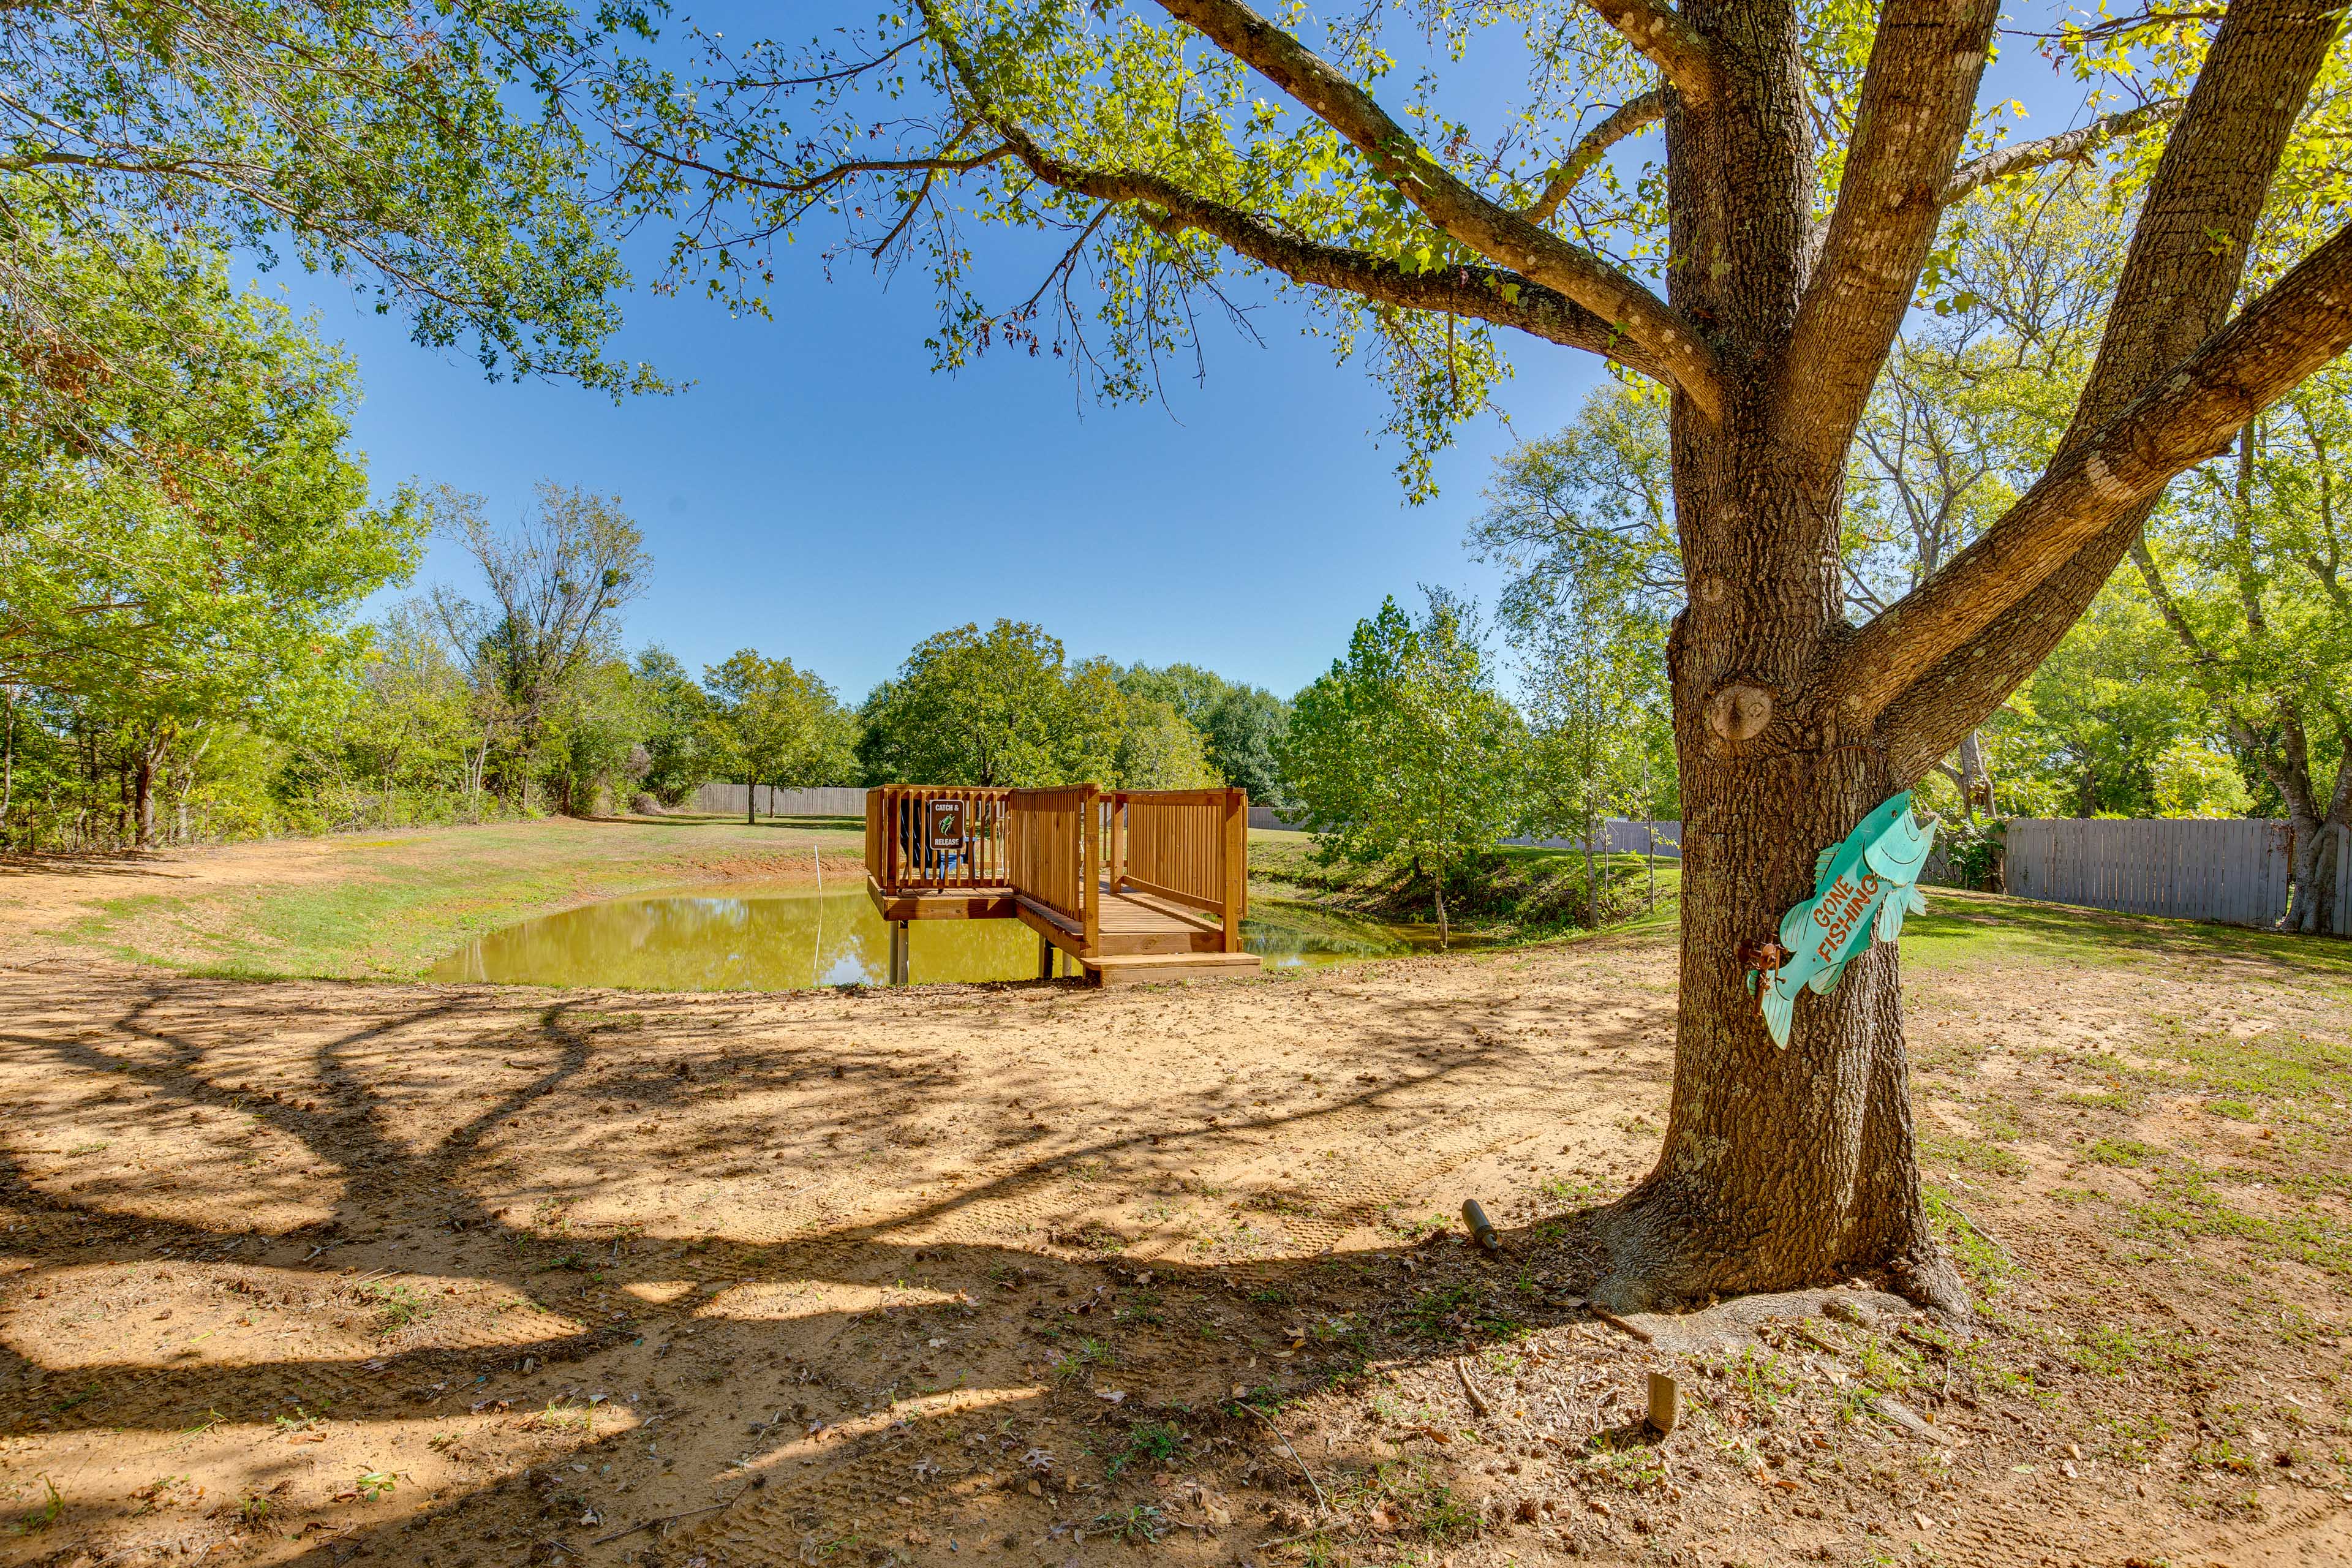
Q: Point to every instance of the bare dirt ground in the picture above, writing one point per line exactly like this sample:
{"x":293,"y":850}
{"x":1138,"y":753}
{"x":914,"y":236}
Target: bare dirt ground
{"x":316,"y":1271}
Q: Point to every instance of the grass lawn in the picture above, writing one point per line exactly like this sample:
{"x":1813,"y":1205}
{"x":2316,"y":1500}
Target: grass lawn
{"x":389,"y":908}
{"x":1522,"y":893}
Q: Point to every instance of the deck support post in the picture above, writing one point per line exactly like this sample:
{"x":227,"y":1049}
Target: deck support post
{"x":899,"y":957}
{"x":1045,"y":959}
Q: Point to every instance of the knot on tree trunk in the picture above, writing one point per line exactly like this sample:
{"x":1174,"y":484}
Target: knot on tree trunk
{"x":1739,"y":711}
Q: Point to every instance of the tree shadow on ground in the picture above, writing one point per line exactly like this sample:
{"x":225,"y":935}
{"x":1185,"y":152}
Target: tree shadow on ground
{"x":87,"y":863}
{"x":518,"y":1136}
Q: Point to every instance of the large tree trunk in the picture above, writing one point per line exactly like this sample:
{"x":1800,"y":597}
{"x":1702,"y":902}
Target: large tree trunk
{"x":1779,"y":1168}
{"x":1782,"y":1168}
{"x":2317,"y":834}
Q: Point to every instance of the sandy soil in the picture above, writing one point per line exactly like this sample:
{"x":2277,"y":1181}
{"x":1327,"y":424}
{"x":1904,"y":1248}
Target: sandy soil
{"x":308,"y":1271}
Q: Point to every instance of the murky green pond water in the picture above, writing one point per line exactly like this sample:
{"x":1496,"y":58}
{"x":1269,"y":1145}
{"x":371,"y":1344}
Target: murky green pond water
{"x":748,"y":940}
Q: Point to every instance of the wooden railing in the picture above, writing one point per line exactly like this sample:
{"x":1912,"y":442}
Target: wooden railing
{"x":919,"y":837}
{"x":1054,"y":839}
{"x":1189,"y":847}
{"x":1059,"y":850}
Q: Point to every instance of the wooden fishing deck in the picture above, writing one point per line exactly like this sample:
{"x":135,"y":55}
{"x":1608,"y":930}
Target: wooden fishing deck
{"x":1128,"y":885}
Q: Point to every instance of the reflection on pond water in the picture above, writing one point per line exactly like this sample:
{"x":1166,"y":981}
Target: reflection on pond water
{"x":781,"y":940}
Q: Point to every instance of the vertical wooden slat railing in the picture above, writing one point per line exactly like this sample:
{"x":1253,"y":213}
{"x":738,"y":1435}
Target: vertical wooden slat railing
{"x":1189,"y":847}
{"x":876,"y":866}
{"x":902,"y":856}
{"x":1053,"y":850}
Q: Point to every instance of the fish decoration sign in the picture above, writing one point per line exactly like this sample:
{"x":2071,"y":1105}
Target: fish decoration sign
{"x":1861,"y":889}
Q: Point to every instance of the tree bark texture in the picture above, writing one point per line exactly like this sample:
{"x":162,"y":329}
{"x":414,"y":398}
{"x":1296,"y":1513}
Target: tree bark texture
{"x":2314,"y":829}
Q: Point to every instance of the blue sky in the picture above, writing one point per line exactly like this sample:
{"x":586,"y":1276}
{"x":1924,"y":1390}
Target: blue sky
{"x":821,"y":494}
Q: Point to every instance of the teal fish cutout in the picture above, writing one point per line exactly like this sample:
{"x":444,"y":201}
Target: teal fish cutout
{"x":1861,"y":889}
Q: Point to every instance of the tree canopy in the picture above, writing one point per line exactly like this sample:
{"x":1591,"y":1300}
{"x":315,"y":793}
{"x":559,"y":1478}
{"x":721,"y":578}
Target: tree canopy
{"x":2249,"y":571}
{"x":421,"y":155}
{"x":1403,"y":749}
{"x":1240,"y":726}
{"x":558,"y":578}
{"x":997,"y":707}
{"x":185,"y":542}
{"x":777,"y":725}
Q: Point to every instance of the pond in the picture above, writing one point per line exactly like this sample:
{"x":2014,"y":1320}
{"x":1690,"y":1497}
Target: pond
{"x":783,"y":940}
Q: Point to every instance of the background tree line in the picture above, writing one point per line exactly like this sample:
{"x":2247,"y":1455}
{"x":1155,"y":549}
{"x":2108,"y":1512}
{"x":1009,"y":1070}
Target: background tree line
{"x":128,"y":718}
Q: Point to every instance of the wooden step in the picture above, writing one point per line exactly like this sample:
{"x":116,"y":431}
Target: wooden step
{"x":1131,"y":969}
{"x":1160,"y":943}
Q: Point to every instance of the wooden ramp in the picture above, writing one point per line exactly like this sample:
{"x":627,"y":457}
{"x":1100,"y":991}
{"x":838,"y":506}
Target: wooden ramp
{"x":1133,"y":885}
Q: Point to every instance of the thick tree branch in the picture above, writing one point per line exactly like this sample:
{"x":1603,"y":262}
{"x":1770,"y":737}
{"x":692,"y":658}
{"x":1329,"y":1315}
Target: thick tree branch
{"x":2188,"y":253}
{"x":2004,"y":161}
{"x":1917,"y":99}
{"x":2294,"y":329}
{"x":1487,"y":228}
{"x":1491,"y":294}
{"x":1673,"y":45}
{"x":1482,"y":293}
{"x":1636,"y":114}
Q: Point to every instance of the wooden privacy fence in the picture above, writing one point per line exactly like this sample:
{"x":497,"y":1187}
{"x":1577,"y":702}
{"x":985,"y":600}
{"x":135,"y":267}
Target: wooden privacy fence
{"x":2234,"y":871}
{"x":735,"y":799}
